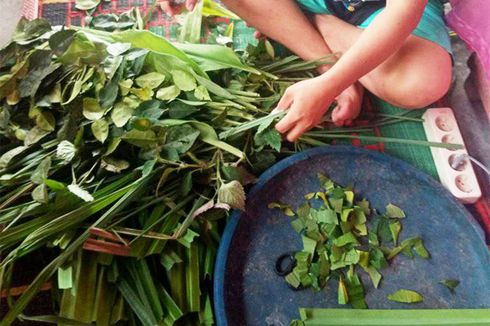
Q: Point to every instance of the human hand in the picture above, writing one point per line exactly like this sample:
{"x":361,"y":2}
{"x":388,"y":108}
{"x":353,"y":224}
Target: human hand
{"x":170,"y":8}
{"x":348,"y":105}
{"x":306,"y":103}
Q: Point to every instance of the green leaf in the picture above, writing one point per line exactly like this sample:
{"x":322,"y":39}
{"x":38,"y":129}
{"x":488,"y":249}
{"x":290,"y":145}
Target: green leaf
{"x":264,"y":122}
{"x":348,"y":238}
{"x":140,"y":138}
{"x":286,"y":209}
{"x":345,"y":214}
{"x":42,"y":171}
{"x":81,"y":193}
{"x":450,"y":284}
{"x":61,"y":40}
{"x":108,"y":94}
{"x":355,"y":290}
{"x":406,"y":296}
{"x":420,"y":249}
{"x":292,"y":280}
{"x":374,"y":275}
{"x":34,"y":135}
{"x":116,"y":49}
{"x":207,"y":135}
{"x":343,"y":296}
{"x":393,"y":211}
{"x":92,"y":109}
{"x":395,"y":228}
{"x":86,"y":4}
{"x":180,"y":110}
{"x":181,"y":138}
{"x":100,"y":129}
{"x":46,"y":121}
{"x":212,"y":8}
{"x":7,"y":157}
{"x":215,"y":57}
{"x":309,"y":245}
{"x":270,"y":137}
{"x":148,"y":40}
{"x":144,"y":94}
{"x":183,"y":80}
{"x":327,"y":216}
{"x":40,"y":194}
{"x":232,"y":194}
{"x":125,"y":86}
{"x":151,"y":80}
{"x":122,"y":112}
{"x":83,"y":50}
{"x":201,"y":93}
{"x":191,"y":25}
{"x":168,"y":93}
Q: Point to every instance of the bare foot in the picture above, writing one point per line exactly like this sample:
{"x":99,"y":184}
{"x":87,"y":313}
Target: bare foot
{"x":348,"y":105}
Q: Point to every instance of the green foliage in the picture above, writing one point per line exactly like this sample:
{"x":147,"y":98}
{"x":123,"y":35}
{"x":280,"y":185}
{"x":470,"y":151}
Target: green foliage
{"x":336,"y":241}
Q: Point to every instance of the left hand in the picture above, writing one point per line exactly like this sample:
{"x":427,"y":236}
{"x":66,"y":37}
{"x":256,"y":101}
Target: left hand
{"x":172,"y":9}
{"x":306,"y":102}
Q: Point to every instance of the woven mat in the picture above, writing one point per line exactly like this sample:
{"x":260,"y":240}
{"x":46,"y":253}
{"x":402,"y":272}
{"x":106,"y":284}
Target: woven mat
{"x":60,"y":12}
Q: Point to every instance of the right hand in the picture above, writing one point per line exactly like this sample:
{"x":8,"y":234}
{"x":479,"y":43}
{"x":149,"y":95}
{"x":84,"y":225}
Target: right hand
{"x":173,"y":9}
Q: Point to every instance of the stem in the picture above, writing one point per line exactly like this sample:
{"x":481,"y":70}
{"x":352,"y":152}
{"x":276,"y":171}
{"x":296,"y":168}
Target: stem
{"x":389,"y":140}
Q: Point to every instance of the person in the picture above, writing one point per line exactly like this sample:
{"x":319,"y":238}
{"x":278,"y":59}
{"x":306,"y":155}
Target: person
{"x":399,"y":50}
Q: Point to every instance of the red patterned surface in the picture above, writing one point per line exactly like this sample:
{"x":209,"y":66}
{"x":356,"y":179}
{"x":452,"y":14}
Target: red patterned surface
{"x":65,"y":12}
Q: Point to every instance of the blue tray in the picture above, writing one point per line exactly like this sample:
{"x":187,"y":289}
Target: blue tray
{"x":248,"y":292}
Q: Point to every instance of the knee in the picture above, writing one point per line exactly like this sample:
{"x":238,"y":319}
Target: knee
{"x":420,"y":92}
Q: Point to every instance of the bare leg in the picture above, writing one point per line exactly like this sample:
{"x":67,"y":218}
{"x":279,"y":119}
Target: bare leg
{"x":414,"y":77}
{"x":284,"y":22}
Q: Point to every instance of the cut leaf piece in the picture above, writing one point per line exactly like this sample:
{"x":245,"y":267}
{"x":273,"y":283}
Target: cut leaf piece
{"x":343,"y":296}
{"x":406,"y":296}
{"x":393,"y":211}
{"x":450,"y":284}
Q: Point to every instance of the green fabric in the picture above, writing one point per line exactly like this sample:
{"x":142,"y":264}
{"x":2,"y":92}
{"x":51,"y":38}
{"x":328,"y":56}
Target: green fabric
{"x":418,"y":156}
{"x":431,"y":26}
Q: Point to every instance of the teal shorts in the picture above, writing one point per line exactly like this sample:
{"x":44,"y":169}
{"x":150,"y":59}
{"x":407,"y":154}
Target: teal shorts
{"x":431,"y":26}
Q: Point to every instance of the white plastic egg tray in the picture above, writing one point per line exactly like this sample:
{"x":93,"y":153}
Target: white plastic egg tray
{"x":440,"y":126}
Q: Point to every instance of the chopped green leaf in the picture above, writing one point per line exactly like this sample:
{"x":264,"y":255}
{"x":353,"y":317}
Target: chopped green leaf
{"x":393,"y":211}
{"x":450,"y":284}
{"x":406,"y":296}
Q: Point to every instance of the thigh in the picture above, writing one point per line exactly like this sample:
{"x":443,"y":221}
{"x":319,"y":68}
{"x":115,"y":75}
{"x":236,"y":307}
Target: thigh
{"x":418,"y":74}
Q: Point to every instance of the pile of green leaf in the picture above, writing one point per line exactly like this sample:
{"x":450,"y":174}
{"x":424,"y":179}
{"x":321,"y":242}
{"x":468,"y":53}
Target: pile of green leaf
{"x":120,"y":155}
{"x":337,"y":240}
{"x":109,"y":143}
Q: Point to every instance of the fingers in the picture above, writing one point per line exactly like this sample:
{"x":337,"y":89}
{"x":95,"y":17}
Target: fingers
{"x":335,"y":114}
{"x":167,"y":7}
{"x":190,"y":4}
{"x":296,"y":132}
{"x":287,"y":123}
{"x":258,"y":35}
{"x":173,"y":9}
{"x":285,"y":102}
{"x":342,"y":114}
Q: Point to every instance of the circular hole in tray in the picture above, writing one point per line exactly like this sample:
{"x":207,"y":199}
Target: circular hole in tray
{"x":448,"y":139}
{"x":444,"y":124}
{"x":462,"y":164}
{"x":463,"y":183}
